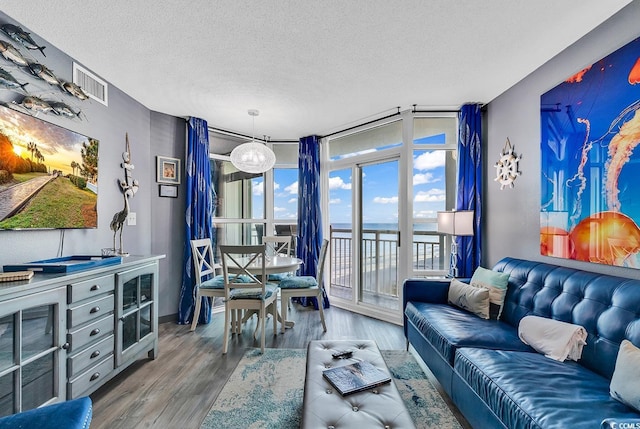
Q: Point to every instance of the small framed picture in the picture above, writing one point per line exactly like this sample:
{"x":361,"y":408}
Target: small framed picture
{"x":170,"y":191}
{"x":168,"y":170}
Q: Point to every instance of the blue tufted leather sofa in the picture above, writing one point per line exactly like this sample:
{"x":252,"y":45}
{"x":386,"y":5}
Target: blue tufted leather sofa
{"x":497,"y":381}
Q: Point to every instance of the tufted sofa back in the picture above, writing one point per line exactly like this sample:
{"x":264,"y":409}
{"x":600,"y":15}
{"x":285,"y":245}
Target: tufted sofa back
{"x":608,"y":307}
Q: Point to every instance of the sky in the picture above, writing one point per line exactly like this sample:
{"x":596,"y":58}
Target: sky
{"x":380,"y":190}
{"x":58,"y":145}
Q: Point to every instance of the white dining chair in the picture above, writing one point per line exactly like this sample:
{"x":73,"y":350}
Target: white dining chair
{"x":277,"y":245}
{"x":208,"y":275}
{"x":209,"y":280}
{"x":305,"y":286}
{"x":255,"y":294}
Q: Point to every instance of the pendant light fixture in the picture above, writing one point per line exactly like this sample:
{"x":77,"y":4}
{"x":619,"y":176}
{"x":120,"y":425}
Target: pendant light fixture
{"x":253,"y":157}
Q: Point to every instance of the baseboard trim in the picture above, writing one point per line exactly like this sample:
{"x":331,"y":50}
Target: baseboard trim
{"x":174,"y":317}
{"x":168,"y":318}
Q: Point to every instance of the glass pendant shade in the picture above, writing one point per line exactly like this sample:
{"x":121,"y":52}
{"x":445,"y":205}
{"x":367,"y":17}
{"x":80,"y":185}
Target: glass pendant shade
{"x":253,"y":157}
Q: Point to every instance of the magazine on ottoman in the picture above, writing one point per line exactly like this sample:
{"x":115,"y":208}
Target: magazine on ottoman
{"x":355,"y":377}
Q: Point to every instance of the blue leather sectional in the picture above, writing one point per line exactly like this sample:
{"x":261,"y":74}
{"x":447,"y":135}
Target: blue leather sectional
{"x":497,"y":381}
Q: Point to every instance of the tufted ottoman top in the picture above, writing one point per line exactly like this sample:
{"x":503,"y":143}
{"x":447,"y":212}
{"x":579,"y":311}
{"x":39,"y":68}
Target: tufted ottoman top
{"x":325,"y":408}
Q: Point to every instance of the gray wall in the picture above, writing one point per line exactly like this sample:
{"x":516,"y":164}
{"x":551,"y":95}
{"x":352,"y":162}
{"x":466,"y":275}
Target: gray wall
{"x":108,"y":125}
{"x":159,"y":226}
{"x":512,"y":219}
{"x":168,"y":135}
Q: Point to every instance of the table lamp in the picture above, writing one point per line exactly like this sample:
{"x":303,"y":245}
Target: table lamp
{"x":455,"y":223}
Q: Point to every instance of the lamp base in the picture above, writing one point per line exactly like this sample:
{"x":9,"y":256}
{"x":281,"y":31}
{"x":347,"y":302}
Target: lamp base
{"x":453,"y":261}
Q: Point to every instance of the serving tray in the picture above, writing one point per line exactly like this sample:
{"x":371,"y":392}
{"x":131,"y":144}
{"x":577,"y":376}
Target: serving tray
{"x":65,"y":264}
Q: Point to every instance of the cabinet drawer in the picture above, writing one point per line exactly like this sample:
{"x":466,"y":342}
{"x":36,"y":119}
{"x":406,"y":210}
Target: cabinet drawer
{"x":93,"y":354}
{"x":90,"y":333}
{"x":91,"y":378}
{"x":90,"y":288}
{"x":89,"y":311}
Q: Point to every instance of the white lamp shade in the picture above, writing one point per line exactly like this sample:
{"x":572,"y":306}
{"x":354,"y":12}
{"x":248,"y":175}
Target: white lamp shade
{"x":456,"y":222}
{"x":253,"y":157}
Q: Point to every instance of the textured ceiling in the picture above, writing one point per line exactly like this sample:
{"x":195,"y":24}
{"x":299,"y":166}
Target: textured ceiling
{"x":310,"y":67}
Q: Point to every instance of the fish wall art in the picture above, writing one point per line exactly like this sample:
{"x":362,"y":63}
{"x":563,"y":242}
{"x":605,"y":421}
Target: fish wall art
{"x":590,"y":182}
{"x":28,"y":84}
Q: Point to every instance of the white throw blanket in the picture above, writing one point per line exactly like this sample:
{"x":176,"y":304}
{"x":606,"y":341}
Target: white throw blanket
{"x":553,"y":338}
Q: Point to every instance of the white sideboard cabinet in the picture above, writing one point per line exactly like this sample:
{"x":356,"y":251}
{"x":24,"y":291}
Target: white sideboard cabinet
{"x":63,"y":336}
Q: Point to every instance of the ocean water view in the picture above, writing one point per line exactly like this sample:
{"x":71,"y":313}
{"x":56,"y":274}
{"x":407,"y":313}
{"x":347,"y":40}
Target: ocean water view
{"x":388,"y":226}
{"x":378,"y":260}
{"x":422,"y":232}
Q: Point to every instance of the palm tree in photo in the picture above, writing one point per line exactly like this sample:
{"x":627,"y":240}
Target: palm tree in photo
{"x":32,"y":147}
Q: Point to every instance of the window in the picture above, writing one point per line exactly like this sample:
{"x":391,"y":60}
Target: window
{"x":385,"y":189}
{"x":247,"y":206}
{"x":239,"y":195}
{"x":434,"y":164}
{"x":285,"y":194}
{"x":374,"y":139}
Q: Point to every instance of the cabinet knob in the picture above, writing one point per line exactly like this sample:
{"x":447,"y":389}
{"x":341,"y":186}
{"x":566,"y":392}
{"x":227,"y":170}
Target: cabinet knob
{"x":94,"y":310}
{"x":95,"y":287}
{"x":94,"y":376}
{"x":65,"y":346}
{"x":94,"y":332}
{"x":95,"y":354}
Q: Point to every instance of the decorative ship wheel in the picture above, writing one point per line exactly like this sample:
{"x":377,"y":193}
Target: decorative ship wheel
{"x":507,"y":166}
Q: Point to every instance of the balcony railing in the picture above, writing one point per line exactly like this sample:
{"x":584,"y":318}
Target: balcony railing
{"x":379,"y":255}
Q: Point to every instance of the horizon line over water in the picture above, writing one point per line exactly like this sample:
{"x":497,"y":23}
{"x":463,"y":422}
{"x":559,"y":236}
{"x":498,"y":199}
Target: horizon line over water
{"x":387,"y":226}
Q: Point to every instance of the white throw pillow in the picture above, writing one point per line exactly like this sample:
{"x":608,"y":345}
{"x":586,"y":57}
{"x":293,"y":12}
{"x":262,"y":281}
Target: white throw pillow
{"x":470,"y":298}
{"x":625,"y":383}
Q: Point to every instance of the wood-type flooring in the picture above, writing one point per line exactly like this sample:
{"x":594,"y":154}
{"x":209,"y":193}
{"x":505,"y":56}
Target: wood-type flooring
{"x":177,"y":389}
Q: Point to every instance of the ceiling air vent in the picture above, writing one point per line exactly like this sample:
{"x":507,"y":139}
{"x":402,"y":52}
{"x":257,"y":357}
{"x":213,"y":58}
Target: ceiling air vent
{"x":91,"y":84}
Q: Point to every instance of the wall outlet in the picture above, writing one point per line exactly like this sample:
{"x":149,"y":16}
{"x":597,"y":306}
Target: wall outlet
{"x":131,"y":219}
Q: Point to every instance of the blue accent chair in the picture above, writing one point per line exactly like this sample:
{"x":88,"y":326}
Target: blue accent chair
{"x":74,"y":414}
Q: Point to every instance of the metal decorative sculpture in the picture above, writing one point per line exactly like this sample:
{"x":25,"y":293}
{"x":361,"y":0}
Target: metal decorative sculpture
{"x":129,"y":187}
{"x":507,"y":166}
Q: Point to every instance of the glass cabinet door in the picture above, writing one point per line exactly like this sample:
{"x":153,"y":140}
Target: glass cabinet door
{"x":136,"y":308}
{"x":32,"y":370}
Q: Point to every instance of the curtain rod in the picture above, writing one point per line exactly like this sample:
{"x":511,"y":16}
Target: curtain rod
{"x":436,"y":111}
{"x":413,"y":110}
{"x":483,"y":108}
{"x":235,"y":134}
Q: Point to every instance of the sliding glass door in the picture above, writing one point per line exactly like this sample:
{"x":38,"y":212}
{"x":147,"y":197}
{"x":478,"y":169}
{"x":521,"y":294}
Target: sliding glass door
{"x":379,"y":235}
{"x":387,"y":181}
{"x":341,"y":234}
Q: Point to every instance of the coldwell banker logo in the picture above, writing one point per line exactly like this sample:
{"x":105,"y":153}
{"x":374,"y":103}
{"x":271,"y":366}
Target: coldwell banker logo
{"x":616,"y":424}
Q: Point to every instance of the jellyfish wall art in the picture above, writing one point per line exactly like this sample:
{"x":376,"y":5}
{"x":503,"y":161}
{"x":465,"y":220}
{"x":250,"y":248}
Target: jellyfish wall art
{"x":590,"y":190}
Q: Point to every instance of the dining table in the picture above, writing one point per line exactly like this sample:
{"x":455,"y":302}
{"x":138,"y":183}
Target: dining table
{"x":274,"y":264}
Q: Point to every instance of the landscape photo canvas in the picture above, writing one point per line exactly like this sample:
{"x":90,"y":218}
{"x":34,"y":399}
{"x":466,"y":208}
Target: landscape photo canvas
{"x":48,"y":174}
{"x":590,"y":163}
